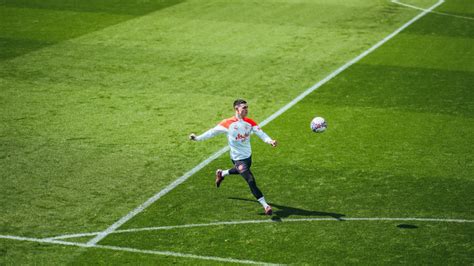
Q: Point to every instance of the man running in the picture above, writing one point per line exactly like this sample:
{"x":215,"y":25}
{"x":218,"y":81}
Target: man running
{"x":238,"y":129}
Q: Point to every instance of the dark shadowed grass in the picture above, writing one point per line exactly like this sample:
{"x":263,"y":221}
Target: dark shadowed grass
{"x":133,"y":8}
{"x":26,"y":26}
{"x":442,"y":92}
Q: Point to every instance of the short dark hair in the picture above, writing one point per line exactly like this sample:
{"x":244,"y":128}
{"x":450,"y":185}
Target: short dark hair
{"x":239,"y":101}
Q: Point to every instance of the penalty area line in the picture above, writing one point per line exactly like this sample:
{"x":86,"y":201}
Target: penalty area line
{"x":134,"y":250}
{"x":184,"y":177}
{"x":433,"y":12}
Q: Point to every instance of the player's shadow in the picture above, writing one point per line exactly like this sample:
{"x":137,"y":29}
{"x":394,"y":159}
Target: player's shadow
{"x":285,"y":211}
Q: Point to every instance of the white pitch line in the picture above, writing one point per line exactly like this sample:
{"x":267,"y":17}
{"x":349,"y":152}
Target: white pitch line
{"x":286,"y":220}
{"x":134,"y":250}
{"x":66,"y":236}
{"x":290,"y":220}
{"x":183,"y":178}
{"x":434,"y":12}
{"x":157,"y":196}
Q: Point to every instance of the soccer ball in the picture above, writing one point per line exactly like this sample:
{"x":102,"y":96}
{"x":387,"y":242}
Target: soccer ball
{"x":318,"y":125}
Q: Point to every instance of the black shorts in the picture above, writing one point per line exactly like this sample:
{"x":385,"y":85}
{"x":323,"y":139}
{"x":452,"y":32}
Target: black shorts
{"x":243,"y":165}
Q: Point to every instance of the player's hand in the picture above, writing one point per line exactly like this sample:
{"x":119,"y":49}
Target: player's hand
{"x":192,"y":136}
{"x":273,"y":142}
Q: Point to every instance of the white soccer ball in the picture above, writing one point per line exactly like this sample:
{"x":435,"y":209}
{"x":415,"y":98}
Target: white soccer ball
{"x":318,"y":125}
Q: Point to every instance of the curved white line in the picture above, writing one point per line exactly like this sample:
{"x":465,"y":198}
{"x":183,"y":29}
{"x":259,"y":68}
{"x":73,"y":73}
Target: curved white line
{"x":288,"y":220}
{"x":285,"y":108}
{"x":434,"y":12}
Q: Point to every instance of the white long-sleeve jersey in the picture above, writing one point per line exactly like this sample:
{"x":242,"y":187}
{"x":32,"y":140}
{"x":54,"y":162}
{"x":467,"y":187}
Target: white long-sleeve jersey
{"x":238,"y":135}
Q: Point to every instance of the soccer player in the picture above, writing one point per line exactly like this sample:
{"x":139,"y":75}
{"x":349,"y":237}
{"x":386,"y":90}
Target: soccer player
{"x":238,"y":129}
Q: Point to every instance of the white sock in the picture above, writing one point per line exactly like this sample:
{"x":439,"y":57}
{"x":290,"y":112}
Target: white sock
{"x":263,"y":202}
{"x":225,"y":172}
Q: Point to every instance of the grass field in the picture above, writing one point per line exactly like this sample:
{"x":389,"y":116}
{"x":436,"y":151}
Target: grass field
{"x":97,"y":99}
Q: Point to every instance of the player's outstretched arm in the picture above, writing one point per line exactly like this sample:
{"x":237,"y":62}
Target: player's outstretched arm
{"x":208,"y":134}
{"x":262,"y":135}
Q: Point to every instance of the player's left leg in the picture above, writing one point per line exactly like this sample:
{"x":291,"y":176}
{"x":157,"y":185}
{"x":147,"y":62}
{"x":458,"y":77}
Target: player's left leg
{"x":243,"y":167}
{"x":249,"y":177}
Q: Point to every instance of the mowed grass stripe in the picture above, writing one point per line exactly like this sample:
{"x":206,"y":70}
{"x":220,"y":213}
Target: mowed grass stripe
{"x":26,"y":26}
{"x":121,"y":7}
{"x":86,"y":123}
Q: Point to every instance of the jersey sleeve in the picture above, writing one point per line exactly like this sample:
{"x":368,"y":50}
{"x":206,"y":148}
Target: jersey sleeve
{"x":258,"y":131}
{"x":219,"y":129}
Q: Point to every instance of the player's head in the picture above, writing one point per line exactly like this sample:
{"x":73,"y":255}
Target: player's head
{"x":241,"y":108}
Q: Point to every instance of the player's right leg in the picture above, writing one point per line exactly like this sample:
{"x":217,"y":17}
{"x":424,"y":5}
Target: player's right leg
{"x":219,"y":177}
{"x":220,"y":174}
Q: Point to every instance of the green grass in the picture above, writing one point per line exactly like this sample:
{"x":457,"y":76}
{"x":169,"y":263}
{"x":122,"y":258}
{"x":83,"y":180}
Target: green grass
{"x":95,"y":113}
{"x":28,"y":25}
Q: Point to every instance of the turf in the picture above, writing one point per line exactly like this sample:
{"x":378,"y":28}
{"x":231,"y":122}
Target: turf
{"x":94,"y":122}
{"x":87,"y":117}
{"x":29,"y":25}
